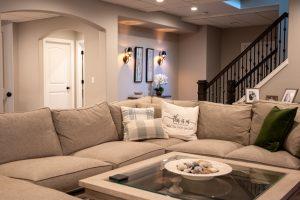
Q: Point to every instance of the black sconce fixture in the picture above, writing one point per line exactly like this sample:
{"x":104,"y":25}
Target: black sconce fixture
{"x":162,"y":57}
{"x":127,"y":55}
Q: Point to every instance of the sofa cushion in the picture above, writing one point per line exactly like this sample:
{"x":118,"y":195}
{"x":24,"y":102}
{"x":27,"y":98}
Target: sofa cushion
{"x":137,"y":130}
{"x":121,"y":153}
{"x":57,"y":172}
{"x":292,"y":142}
{"x":158,"y":100}
{"x":85,"y":127}
{"x":260,"y":110}
{"x":219,"y":148}
{"x":183,"y":103}
{"x":164,"y":143}
{"x":157,"y":108}
{"x":116,"y":113}
{"x":257,"y":154}
{"x":276,"y":127}
{"x":27,"y":135}
{"x":13,"y":189}
{"x":224,"y":122}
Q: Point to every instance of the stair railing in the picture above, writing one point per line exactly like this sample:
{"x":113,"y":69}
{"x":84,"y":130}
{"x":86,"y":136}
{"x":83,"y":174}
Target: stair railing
{"x":258,"y":60}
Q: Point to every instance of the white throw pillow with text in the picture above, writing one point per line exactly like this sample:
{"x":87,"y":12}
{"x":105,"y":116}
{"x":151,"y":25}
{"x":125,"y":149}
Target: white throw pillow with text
{"x":180,"y":122}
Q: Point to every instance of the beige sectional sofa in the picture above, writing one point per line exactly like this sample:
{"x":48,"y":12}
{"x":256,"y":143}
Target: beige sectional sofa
{"x":57,"y":148}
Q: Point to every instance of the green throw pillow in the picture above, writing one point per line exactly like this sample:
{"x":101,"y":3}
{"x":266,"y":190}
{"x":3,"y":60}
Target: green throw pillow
{"x":276,"y":127}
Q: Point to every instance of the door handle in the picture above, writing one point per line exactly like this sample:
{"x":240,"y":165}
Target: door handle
{"x":68,"y":88}
{"x":8,"y":94}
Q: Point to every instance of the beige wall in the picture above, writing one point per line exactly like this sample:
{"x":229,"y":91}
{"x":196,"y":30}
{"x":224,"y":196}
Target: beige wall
{"x":146,"y":38}
{"x":289,"y":76}
{"x":1,"y":72}
{"x":102,"y":15}
{"x":213,"y":49}
{"x":29,"y":73}
{"x":232,"y":38}
{"x":192,"y":63}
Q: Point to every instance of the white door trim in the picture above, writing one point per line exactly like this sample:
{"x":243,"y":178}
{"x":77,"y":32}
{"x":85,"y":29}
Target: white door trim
{"x":72,"y":80}
{"x":1,"y":72}
{"x":79,"y":100}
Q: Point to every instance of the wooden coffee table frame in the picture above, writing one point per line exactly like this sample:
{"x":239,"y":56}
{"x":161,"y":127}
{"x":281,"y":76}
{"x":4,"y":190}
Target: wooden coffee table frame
{"x":98,"y":187}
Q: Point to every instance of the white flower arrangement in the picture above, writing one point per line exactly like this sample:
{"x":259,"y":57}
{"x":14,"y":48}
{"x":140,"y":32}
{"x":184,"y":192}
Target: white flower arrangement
{"x":159,"y":80}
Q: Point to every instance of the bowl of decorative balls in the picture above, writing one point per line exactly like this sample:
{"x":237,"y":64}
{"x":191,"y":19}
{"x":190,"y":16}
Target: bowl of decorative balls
{"x":195,"y":169}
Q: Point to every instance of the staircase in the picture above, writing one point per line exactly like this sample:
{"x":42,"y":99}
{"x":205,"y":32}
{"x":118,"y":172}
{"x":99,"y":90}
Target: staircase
{"x":249,"y":68}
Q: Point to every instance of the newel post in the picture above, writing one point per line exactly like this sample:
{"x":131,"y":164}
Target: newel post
{"x":231,"y":91}
{"x":202,"y":87}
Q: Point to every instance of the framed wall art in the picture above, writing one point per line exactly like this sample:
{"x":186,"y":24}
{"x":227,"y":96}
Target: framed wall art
{"x":289,"y":95}
{"x":138,"y":64}
{"x":149,"y":64}
{"x":252,"y":95}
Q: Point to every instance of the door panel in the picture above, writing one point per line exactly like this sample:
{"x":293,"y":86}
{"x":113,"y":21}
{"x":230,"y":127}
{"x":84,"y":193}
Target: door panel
{"x":59,"y":66}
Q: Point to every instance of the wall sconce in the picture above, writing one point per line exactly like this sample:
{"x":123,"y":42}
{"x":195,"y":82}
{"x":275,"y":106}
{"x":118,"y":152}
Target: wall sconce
{"x":162,"y":57}
{"x":127,"y":55}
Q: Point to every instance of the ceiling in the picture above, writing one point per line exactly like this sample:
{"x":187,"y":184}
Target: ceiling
{"x":25,"y":16}
{"x":210,"y":12}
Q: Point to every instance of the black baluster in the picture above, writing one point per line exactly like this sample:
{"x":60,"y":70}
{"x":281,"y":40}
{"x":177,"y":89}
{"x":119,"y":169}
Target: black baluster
{"x":284,"y":40}
{"x":223,"y":89}
{"x":279,"y":41}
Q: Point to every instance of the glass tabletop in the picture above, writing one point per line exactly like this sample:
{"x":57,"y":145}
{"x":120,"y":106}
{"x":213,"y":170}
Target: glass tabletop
{"x":242,"y":183}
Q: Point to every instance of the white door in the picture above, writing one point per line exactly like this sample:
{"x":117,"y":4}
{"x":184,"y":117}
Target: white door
{"x":8,"y":66}
{"x":58,"y":73}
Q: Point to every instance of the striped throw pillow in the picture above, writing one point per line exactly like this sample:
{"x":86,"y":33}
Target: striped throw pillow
{"x":130,"y":114}
{"x":145,"y":129}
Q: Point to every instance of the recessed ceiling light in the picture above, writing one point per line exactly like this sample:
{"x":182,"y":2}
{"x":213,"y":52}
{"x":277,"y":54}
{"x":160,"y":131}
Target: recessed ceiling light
{"x":194,"y":8}
{"x":160,"y":1}
{"x":166,"y":30}
{"x":131,"y":22}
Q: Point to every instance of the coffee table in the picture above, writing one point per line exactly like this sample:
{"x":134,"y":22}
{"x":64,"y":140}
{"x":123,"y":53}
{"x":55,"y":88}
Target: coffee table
{"x":149,"y":180}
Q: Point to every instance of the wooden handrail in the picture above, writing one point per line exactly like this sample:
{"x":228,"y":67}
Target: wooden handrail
{"x":257,"y":40}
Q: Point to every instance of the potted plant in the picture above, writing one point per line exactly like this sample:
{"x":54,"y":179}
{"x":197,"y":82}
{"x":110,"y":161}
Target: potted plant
{"x":159,"y":81}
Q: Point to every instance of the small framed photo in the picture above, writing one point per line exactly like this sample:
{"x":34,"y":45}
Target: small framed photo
{"x":149,"y":64}
{"x":289,"y":95}
{"x":138,"y":64}
{"x":252,"y":95}
{"x":272,"y":98}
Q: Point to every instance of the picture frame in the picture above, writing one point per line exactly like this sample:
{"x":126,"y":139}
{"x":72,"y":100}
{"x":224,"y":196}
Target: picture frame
{"x":289,"y":95}
{"x":271,"y":98}
{"x":252,"y":95}
{"x":149,"y":65}
{"x":138,"y":64}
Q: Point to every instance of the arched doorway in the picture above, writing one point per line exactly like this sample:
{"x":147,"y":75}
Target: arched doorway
{"x":28,"y":76}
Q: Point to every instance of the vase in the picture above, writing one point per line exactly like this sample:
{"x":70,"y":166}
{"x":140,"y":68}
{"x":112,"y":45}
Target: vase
{"x":158,"y":93}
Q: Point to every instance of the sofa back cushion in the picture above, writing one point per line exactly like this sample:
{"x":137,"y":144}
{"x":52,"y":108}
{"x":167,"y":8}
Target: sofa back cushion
{"x":157,"y":102}
{"x":260,"y":111}
{"x":86,"y":127}
{"x":224,"y":122}
{"x":27,"y":135}
{"x":116,"y":113}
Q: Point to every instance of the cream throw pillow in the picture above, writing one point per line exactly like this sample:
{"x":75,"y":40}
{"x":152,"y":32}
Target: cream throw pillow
{"x":180,"y":122}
